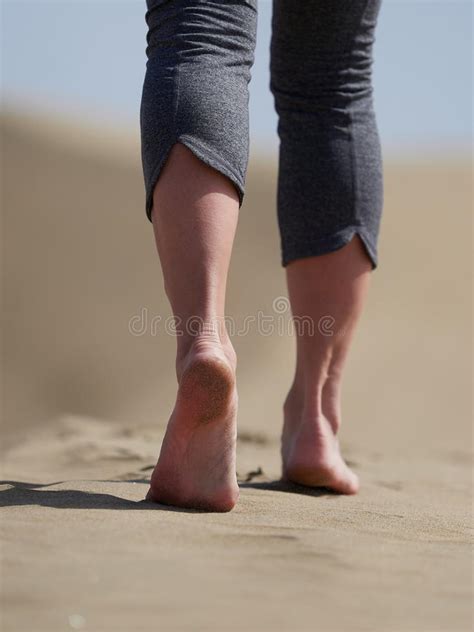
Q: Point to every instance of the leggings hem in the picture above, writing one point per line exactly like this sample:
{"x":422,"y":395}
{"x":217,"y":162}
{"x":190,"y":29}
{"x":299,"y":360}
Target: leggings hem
{"x":329,"y":244}
{"x":206,"y":156}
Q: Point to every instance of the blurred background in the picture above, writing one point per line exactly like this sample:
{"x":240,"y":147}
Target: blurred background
{"x":78,"y":258}
{"x":88,"y":375}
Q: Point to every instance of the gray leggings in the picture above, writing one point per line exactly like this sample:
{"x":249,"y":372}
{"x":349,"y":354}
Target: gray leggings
{"x":200,"y":54}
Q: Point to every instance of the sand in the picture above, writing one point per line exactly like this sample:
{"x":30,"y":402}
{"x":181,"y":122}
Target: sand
{"x":86,"y":402}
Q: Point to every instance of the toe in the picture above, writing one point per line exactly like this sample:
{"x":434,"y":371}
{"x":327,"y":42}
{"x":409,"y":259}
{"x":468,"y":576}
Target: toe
{"x":346,"y":482}
{"x":149,"y":495}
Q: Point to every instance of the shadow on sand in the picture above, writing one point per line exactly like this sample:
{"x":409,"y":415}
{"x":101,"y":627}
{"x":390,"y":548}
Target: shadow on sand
{"x":23,"y":494}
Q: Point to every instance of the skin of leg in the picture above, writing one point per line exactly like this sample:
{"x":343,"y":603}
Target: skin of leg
{"x":195,"y":97}
{"x":195,"y":212}
{"x":327,"y":295}
{"x":329,"y":191}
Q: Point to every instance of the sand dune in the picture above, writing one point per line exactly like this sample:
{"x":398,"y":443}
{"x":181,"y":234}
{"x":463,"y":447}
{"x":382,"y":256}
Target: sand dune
{"x":85,"y":403}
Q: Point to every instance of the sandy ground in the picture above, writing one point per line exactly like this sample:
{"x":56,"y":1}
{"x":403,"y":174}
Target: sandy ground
{"x":86,"y":401}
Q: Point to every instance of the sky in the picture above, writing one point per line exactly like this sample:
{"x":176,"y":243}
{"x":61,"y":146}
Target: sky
{"x":87,"y":57}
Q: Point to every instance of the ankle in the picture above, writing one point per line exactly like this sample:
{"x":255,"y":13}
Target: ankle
{"x":314,"y":402}
{"x":204,"y":344}
{"x":316,"y":388}
{"x":294,"y":399}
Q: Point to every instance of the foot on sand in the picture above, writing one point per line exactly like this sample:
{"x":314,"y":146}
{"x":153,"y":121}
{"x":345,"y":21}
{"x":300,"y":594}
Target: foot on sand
{"x":196,"y":467}
{"x":310,"y":451}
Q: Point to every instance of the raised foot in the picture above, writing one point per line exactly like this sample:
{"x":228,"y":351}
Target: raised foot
{"x":196,"y":467}
{"x":312,"y":458}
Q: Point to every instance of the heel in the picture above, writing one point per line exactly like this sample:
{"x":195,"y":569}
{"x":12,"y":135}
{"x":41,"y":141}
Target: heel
{"x":205,"y":388}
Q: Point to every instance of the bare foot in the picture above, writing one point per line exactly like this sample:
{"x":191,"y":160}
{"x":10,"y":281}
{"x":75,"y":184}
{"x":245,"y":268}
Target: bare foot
{"x":196,"y":467}
{"x":310,"y":451}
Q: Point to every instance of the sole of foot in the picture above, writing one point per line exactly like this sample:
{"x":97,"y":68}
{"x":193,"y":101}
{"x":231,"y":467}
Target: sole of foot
{"x":196,"y":466}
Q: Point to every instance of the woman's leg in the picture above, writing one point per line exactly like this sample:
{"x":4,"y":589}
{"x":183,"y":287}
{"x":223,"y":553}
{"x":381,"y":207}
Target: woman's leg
{"x":194,"y":219}
{"x":329,"y":208}
{"x":329,"y":289}
{"x":195,"y":138}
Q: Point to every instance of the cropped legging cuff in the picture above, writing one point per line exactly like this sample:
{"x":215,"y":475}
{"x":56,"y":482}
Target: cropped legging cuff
{"x":199,"y":59}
